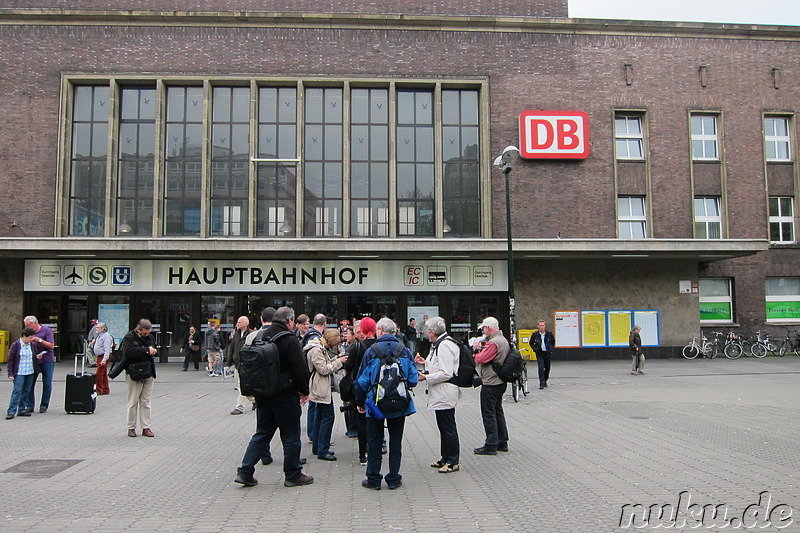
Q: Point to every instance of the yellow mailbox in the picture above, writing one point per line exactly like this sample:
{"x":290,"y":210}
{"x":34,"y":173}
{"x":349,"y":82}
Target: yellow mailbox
{"x":523,"y":338}
{"x":5,"y":337}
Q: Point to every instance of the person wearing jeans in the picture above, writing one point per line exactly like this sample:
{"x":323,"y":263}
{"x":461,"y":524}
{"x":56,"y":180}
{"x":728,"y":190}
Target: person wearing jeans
{"x":43,"y":345}
{"x":21,"y":366}
{"x":321,"y":356}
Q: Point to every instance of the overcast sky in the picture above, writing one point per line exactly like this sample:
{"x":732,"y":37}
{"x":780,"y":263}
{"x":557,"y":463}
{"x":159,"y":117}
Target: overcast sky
{"x":785,"y":12}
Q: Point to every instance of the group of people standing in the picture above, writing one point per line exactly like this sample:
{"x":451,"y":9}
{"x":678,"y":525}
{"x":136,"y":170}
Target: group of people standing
{"x":29,"y":357}
{"x":308,"y":360}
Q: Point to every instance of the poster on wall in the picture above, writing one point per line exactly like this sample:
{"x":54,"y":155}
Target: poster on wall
{"x":116,"y":317}
{"x":567,"y":329}
{"x":619,"y":327}
{"x":648,"y":320}
{"x":593,"y":328}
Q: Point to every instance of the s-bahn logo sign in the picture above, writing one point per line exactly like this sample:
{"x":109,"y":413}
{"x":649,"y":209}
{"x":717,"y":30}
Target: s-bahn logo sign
{"x":554,"y":134}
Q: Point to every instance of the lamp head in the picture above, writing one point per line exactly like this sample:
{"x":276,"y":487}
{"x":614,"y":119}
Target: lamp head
{"x":509,"y":155}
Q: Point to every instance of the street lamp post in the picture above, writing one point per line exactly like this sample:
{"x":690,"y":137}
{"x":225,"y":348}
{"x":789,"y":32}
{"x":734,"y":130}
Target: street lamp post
{"x":504,"y":160}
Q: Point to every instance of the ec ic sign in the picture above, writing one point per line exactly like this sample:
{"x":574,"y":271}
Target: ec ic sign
{"x":554,"y":134}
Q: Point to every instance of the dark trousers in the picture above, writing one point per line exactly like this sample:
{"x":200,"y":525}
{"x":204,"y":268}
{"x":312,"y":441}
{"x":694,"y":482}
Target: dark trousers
{"x":282,"y":413}
{"x":311,"y":423}
{"x":193,"y":357}
{"x":323,"y":422}
{"x":374,"y":443}
{"x":543,"y":360}
{"x":362,"y":435}
{"x":494,"y":419}
{"x":448,"y":435}
{"x":351,"y":421}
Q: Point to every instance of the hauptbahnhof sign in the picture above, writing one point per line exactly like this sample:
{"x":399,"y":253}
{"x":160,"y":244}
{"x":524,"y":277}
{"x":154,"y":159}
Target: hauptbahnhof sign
{"x":234,"y":276}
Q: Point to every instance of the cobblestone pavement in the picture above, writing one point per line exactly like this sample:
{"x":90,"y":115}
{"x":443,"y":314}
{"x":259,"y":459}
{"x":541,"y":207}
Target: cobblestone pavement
{"x":598,"y":438}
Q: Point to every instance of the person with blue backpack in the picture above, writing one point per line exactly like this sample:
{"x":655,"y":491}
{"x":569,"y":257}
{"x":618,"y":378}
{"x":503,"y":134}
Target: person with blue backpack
{"x":383,"y":392}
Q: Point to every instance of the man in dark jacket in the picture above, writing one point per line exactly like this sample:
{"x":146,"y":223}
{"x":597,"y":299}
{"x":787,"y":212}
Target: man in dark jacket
{"x":137,"y":346}
{"x":543,"y":342}
{"x":364,"y":330}
{"x":283,"y":411}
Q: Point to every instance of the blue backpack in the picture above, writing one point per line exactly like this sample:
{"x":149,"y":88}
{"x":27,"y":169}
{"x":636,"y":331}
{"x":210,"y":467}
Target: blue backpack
{"x":392,"y":395}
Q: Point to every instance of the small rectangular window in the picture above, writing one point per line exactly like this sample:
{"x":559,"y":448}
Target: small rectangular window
{"x":705,"y":138}
{"x":776,"y":139}
{"x":707,"y":218}
{"x":716,"y":300}
{"x":632,"y":221}
{"x":781,"y":219}
{"x":629,"y":137}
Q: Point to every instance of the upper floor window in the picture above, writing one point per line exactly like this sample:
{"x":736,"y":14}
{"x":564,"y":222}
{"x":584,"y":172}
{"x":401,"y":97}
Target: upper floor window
{"x":781,"y":219}
{"x":632,"y":221}
{"x":89,"y":161}
{"x":776,"y":139}
{"x":629,"y":136}
{"x":329,"y":161}
{"x":705,"y":138}
{"x":707,"y":218}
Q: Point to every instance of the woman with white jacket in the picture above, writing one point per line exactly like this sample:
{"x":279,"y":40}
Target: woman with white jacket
{"x":322,"y":363}
{"x":440,"y":366}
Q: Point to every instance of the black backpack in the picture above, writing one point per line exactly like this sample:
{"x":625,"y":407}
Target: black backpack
{"x":467,"y":372}
{"x":260,"y":367}
{"x":392,"y":395}
{"x":511,"y":368}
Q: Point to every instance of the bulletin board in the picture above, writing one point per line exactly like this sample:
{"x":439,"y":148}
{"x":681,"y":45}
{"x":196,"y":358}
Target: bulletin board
{"x":567,"y":329}
{"x":593,"y":328}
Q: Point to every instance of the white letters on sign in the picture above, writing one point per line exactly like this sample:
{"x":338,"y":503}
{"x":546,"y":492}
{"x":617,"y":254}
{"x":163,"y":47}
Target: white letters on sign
{"x":554,"y":134}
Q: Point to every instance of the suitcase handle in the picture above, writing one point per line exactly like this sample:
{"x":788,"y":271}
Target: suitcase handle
{"x":83,"y":364}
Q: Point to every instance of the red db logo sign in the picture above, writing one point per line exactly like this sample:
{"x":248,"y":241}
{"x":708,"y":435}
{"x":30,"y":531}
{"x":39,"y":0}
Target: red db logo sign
{"x":554,"y":134}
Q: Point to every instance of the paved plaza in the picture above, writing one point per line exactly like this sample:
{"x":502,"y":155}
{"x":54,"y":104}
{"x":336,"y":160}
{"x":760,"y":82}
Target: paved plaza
{"x":707,"y":432}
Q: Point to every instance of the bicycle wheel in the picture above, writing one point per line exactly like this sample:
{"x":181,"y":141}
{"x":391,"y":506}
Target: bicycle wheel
{"x":515,"y":391}
{"x":758,"y":350}
{"x":524,"y":382}
{"x":785,"y":347}
{"x":690,"y":351}
{"x":733,"y":350}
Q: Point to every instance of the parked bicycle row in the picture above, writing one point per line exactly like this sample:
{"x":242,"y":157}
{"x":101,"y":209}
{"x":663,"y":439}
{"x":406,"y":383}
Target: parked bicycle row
{"x":734,"y":345}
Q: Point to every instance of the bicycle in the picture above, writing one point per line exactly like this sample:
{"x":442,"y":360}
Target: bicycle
{"x":733,"y":346}
{"x":790,"y":345}
{"x":519,"y":387}
{"x":763,"y":345}
{"x":693,"y":349}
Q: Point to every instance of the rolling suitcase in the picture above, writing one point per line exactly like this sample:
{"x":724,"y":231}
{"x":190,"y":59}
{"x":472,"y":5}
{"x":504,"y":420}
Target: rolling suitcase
{"x":80,"y":395}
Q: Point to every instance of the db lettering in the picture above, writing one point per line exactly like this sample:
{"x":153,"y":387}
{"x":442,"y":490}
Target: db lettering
{"x":554,"y":134}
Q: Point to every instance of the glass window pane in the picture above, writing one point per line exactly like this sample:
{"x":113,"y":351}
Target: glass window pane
{"x":359,"y":105}
{"x":637,"y":206}
{"x":359,"y":143}
{"x":287,"y":104}
{"x":379,"y":142}
{"x":241,"y":104}
{"x":786,"y":206}
{"x":450,"y":107}
{"x":313,"y":103}
{"x":623,"y":205}
{"x":697,"y":125}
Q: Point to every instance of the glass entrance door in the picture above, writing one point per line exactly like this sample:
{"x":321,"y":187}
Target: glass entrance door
{"x":171,"y":317}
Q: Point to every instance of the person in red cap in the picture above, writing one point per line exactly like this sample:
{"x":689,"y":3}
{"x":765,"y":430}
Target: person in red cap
{"x":364,"y":330}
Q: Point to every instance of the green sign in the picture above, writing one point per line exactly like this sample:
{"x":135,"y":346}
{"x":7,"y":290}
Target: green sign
{"x":715,"y":311}
{"x":783,"y":310}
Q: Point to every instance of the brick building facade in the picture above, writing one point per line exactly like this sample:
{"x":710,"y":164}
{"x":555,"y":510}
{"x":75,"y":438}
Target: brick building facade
{"x":688,"y":189}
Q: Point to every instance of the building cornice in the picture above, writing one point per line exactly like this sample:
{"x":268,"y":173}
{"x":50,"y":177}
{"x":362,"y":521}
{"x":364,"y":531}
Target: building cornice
{"x":468,"y":249}
{"x":264,"y":19}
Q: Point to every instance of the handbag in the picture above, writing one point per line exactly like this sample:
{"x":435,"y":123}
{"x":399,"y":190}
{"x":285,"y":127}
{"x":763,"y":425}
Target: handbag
{"x":195,"y":347}
{"x":346,"y":388}
{"x":140,"y":370}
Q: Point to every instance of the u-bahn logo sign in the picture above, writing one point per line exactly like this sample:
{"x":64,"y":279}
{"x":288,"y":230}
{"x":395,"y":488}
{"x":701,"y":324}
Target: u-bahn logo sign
{"x":554,"y":134}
